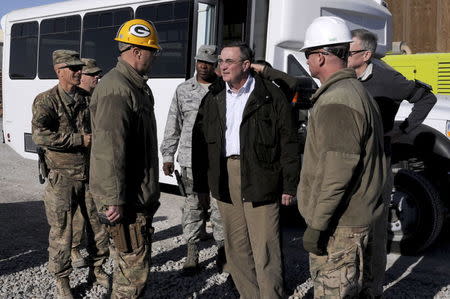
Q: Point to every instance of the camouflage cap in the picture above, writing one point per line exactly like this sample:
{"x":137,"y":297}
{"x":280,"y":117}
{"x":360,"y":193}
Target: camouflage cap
{"x":207,"y":53}
{"x":90,"y":66}
{"x":68,"y":57}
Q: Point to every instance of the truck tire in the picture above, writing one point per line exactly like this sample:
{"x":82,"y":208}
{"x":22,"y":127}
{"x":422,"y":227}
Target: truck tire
{"x":416,"y":213}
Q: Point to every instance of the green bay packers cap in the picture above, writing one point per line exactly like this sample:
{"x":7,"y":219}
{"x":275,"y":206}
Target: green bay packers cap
{"x":69,"y":57}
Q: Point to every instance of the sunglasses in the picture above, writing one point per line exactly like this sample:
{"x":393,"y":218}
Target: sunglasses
{"x":309,"y":53}
{"x":73,"y":68}
{"x":93,"y":75}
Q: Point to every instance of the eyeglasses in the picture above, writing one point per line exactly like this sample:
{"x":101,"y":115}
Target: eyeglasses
{"x":73,"y":68}
{"x":93,"y":75}
{"x":351,"y":53}
{"x":228,"y":61}
{"x":309,"y":53}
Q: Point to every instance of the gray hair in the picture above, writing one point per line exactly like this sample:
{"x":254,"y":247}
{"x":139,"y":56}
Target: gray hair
{"x":368,"y":39}
{"x":123,"y":46}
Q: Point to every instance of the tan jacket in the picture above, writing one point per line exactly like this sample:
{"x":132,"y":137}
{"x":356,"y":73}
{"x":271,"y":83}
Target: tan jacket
{"x":124,"y":154}
{"x":344,"y":167}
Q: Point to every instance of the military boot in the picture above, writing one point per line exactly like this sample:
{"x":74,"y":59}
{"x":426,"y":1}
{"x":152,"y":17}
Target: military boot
{"x":99,"y":276}
{"x":78,"y":261}
{"x":63,"y":288}
{"x":191,"y":263}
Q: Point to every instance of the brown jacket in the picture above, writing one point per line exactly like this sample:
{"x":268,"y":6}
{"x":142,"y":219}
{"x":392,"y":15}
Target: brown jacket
{"x":124,"y":154}
{"x":344,"y":167}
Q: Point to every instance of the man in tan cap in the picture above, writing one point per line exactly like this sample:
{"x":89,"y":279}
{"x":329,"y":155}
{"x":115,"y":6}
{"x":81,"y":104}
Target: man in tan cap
{"x":61,"y":126}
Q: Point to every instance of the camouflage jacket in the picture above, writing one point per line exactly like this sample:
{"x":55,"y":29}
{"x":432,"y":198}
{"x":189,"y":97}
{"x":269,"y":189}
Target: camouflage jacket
{"x":180,"y":121}
{"x":58,"y":123}
{"x":124,"y":155}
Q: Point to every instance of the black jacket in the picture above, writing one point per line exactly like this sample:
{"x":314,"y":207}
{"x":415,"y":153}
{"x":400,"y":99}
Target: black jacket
{"x":389,"y":88}
{"x":268,"y":140}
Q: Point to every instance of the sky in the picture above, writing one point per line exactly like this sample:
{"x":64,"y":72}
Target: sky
{"x":10,"y":5}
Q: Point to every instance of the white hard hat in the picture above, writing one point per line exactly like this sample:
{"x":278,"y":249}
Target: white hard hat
{"x":326,"y":31}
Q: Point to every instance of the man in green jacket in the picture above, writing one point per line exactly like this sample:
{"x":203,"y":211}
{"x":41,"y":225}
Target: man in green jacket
{"x":344,"y":167}
{"x":124,"y":157}
{"x":245,"y":153}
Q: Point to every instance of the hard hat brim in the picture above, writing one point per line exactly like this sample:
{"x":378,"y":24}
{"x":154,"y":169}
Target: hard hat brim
{"x":325,"y":45}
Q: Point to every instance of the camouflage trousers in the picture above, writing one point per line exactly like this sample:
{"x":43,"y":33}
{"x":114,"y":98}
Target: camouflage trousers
{"x":91,"y":231}
{"x":195,"y":212}
{"x":63,"y":197}
{"x":131,"y":268}
{"x":341,"y":273}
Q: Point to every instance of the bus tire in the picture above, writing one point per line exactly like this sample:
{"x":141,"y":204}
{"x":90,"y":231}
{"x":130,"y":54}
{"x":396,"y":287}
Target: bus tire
{"x":416,"y":213}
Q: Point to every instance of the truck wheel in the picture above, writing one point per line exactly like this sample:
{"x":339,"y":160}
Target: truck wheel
{"x":416,"y":213}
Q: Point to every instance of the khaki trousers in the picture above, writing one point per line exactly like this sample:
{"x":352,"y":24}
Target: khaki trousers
{"x":252,"y":242}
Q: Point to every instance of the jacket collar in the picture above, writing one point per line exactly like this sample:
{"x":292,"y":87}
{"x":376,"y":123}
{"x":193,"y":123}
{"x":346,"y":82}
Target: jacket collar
{"x":131,"y":74}
{"x":346,"y":73}
{"x":367,"y":73}
{"x":257,"y":97}
{"x":65,"y":97}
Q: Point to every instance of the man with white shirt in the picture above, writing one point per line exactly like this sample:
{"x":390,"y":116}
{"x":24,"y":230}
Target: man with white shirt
{"x":245,"y":153}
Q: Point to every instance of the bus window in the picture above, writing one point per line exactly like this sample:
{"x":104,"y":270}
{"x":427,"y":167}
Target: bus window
{"x":171,"y":22}
{"x":58,"y":33}
{"x":295,"y":69}
{"x":99,"y":31}
{"x":23,"y":57}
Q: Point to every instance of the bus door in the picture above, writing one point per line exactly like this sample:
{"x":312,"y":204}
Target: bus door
{"x":217,"y":22}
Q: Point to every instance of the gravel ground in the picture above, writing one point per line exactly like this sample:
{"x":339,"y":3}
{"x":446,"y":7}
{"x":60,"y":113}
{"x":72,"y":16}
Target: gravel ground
{"x":23,"y":252}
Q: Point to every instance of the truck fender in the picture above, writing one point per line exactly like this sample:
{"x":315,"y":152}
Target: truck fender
{"x":425,"y":139}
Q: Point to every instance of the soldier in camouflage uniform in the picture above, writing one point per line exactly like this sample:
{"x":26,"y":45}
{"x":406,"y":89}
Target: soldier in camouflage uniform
{"x":178,"y":134}
{"x":61,"y":126}
{"x":89,"y":79}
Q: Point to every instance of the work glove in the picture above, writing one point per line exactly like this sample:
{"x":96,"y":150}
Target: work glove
{"x":168,"y":168}
{"x":313,"y":241}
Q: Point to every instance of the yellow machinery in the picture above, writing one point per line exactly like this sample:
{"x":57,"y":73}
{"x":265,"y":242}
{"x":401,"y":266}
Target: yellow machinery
{"x":431,"y":68}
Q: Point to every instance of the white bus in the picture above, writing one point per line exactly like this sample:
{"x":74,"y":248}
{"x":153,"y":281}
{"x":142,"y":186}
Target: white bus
{"x":274,"y":28}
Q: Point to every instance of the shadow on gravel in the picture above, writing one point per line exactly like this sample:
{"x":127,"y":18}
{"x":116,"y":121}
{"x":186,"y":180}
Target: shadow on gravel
{"x":23,"y":236}
{"x":168,"y":233}
{"x":420,"y":276}
{"x":165,"y":284}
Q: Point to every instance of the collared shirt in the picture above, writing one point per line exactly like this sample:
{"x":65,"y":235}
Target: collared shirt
{"x":235,"y":104}
{"x":367,"y":73}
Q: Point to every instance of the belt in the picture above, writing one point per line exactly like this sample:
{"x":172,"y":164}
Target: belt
{"x":234,"y":157}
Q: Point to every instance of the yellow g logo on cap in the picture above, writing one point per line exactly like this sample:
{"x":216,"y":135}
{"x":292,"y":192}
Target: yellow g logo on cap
{"x":138,"y":32}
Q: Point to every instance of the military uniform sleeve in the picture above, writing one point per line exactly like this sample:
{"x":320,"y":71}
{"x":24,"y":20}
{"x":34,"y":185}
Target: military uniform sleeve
{"x":289,"y":157}
{"x":338,"y":135}
{"x":111,"y":117}
{"x":45,"y":128}
{"x":172,"y":130}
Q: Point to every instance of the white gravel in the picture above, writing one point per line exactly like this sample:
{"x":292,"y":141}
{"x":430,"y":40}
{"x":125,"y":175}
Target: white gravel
{"x":24,"y":240}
